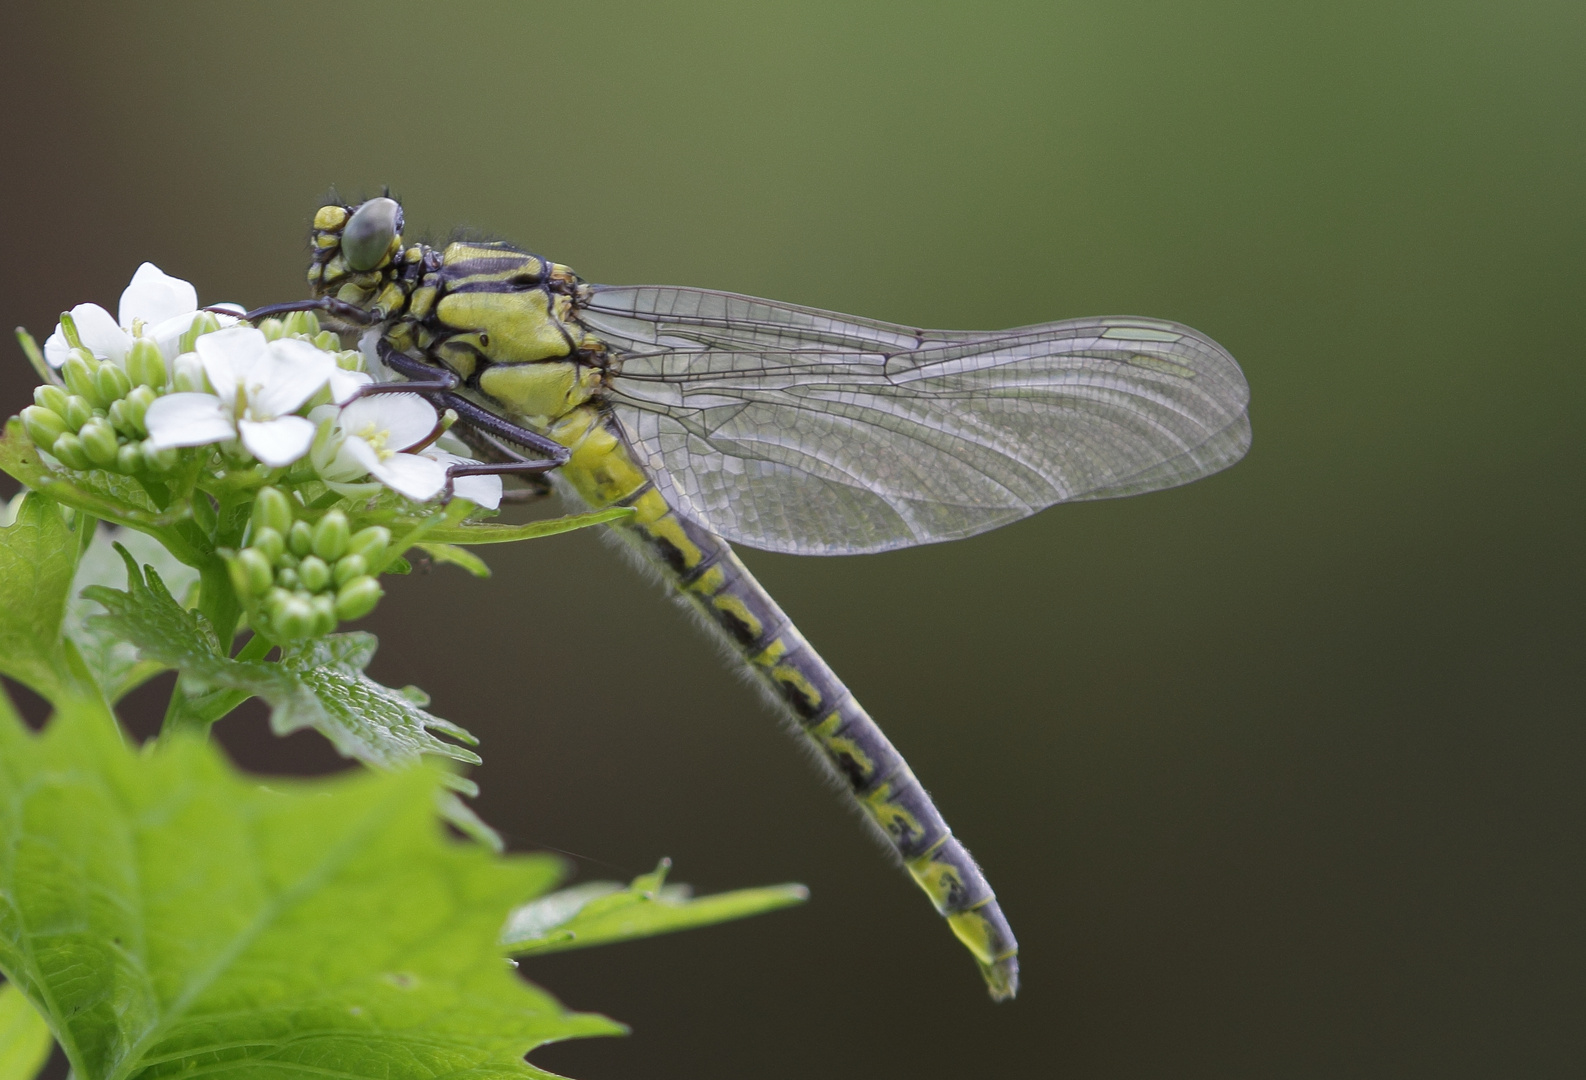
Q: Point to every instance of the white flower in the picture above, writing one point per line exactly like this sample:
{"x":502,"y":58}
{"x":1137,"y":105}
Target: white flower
{"x":258,"y":386}
{"x":160,"y":306}
{"x":373,"y":433}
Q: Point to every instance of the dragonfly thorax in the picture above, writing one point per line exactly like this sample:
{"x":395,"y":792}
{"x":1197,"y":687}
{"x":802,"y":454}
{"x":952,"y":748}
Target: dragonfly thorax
{"x":500,"y":318}
{"x":503,"y":320}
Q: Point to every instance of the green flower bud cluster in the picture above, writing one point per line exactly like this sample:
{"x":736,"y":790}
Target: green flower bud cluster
{"x":305,"y":325}
{"x":96,"y":420}
{"x":299,"y":578}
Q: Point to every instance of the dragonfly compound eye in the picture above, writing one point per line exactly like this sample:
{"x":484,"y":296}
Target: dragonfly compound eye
{"x":367,"y":239}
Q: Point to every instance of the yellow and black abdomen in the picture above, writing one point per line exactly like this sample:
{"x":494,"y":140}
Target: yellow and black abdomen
{"x":705,"y":571}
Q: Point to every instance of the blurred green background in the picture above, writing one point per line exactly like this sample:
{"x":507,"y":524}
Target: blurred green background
{"x":1278,"y":774}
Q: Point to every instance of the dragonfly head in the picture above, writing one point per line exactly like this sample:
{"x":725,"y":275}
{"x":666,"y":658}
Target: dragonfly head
{"x":358,"y":250}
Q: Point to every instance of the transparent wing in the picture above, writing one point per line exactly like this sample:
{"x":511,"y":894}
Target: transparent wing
{"x":798,"y":430}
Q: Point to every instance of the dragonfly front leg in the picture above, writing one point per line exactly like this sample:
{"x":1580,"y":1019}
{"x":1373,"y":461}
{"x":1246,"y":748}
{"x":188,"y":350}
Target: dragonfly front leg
{"x":535,"y":470}
{"x":439,"y":385}
{"x":489,"y":449}
{"x":341,"y":309}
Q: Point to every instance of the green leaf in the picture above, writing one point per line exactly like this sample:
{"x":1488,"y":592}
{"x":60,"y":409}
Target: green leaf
{"x":173,"y":918}
{"x":113,"y":660}
{"x":103,"y":494}
{"x":41,"y":367}
{"x":461,"y":557}
{"x":25,"y":1040}
{"x":38,"y":552}
{"x":600,"y":912}
{"x":318,"y":684}
{"x":492,"y":533}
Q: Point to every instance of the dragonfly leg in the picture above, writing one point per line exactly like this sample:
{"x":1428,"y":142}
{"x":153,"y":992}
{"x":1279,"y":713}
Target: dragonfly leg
{"x":483,"y":419}
{"x":328,"y":304}
{"x":414,"y":386}
{"x":488,"y":448}
{"x":534,"y":489}
{"x":474,"y":416}
{"x":415,"y":370}
{"x":521,"y":467}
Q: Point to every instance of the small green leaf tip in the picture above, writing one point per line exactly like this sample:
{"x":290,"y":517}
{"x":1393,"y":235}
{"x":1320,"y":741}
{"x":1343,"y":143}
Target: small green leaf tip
{"x":601,"y":912}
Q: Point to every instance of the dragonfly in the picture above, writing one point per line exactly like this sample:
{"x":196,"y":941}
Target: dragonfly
{"x":724,"y":419}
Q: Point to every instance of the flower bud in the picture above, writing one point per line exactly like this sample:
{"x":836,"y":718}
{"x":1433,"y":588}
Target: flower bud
{"x":111,"y":382}
{"x":371,"y":543}
{"x":78,"y":412}
{"x":129,"y":458}
{"x":161,"y":460}
{"x":50,"y":397}
{"x":358,"y":597}
{"x":269,"y":543}
{"x":117,"y":415}
{"x":300,"y":539}
{"x":69,"y":449}
{"x":78,"y":372}
{"x":134,"y":406}
{"x":272,"y":329}
{"x":328,"y":340}
{"x":43,"y":425}
{"x":203,"y":323}
{"x":287,"y":578}
{"x":351,"y":360}
{"x":324,"y":613}
{"x":99,"y":442}
{"x":69,"y":331}
{"x":188,"y":376}
{"x":145,"y":364}
{"x":272,"y":510}
{"x":331,"y":536}
{"x":251,"y":572}
{"x":293,"y":617}
{"x":349,"y":567}
{"x":301,"y":322}
{"x":285,"y":559}
{"x":314,"y":573}
{"x":239,"y":577}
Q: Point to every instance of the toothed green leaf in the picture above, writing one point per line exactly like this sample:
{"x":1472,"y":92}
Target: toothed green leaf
{"x":173,"y":917}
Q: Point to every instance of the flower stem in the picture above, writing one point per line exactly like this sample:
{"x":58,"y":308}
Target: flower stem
{"x":217,"y":602}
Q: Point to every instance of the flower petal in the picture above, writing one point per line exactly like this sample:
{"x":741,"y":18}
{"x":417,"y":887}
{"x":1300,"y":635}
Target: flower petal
{"x":418,"y":478}
{"x":343,"y":469}
{"x":403,"y":418}
{"x":484,"y":490}
{"x":277,"y":442}
{"x":155,"y":296}
{"x":344,"y":384}
{"x":369,"y":345}
{"x":100,"y":333}
{"x":335,"y":463}
{"x":228,"y":356}
{"x":55,"y":348}
{"x":167,"y":334}
{"x":290,"y":373}
{"x":188,"y":419}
